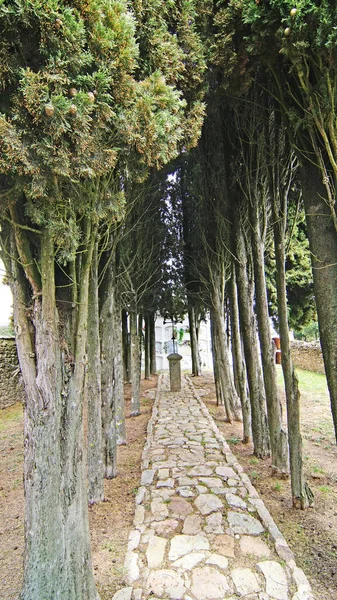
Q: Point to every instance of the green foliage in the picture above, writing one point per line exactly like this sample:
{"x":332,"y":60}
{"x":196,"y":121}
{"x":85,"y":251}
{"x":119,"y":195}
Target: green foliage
{"x":79,"y":111}
{"x":300,"y":294}
{"x":308,"y":333}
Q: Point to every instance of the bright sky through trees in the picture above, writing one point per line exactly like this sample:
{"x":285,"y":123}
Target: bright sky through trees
{"x":5,"y":299}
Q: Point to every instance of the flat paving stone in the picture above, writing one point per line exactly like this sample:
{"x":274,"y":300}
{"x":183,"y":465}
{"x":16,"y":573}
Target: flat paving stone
{"x":165,"y":527}
{"x":166,"y":583}
{"x":242,"y":523}
{"x":209,"y":584}
{"x":276,"y":579}
{"x":180,"y":508}
{"x":147,"y":477}
{"x":192,"y":525}
{"x":208,"y":503}
{"x":245,"y":581}
{"x":155,"y":552}
{"x":254,"y":546}
{"x":184,"y":544}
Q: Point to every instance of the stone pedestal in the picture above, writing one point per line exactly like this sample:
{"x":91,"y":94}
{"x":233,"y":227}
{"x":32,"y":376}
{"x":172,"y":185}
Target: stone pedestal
{"x":175,"y":371}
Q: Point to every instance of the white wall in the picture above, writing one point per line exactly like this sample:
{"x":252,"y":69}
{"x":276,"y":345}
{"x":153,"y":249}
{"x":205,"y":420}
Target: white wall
{"x":164,"y":344}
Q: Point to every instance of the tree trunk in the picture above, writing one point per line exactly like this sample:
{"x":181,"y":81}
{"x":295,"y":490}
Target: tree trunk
{"x":93,"y":392}
{"x":323,"y":245}
{"x":135,"y":370}
{"x":230,"y":397}
{"x":278,"y":437}
{"x":107,"y":322}
{"x":196,"y":366}
{"x":238,"y":359}
{"x":218,"y":389}
{"x":147,"y":346}
{"x":126,"y":347}
{"x":153,"y":366}
{"x":57,"y":557}
{"x":118,"y":373}
{"x":301,"y":494}
{"x":248,"y":329}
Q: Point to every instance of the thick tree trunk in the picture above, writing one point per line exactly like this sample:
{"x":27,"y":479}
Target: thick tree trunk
{"x":248,"y":328}
{"x":195,"y":356}
{"x":238,"y":359}
{"x":153,"y":365}
{"x":93,"y":392}
{"x":278,"y":437}
{"x":231,"y":400}
{"x":301,"y":494}
{"x":57,"y":558}
{"x":135,"y":365}
{"x":323,"y":245}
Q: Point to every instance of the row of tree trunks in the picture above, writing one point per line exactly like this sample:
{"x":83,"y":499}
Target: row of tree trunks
{"x":56,"y":521}
{"x":249,"y":335}
{"x":278,"y":436}
{"x":301,"y":496}
{"x":240,"y":375}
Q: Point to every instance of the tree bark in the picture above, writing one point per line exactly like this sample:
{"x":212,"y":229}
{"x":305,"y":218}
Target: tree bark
{"x":135,"y":366}
{"x":118,"y":373}
{"x":323,"y":245}
{"x":57,"y":557}
{"x":301,"y":494}
{"x":107,"y":322}
{"x":218,"y":389}
{"x":153,"y":362}
{"x":248,"y":329}
{"x":231,"y":400}
{"x":195,"y":356}
{"x":238,"y":359}
{"x":278,"y":437}
{"x":93,"y":392}
{"x":126,"y":347}
{"x":147,"y":346}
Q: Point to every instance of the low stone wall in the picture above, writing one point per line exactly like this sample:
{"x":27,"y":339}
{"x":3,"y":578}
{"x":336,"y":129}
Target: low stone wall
{"x":11,"y":388}
{"x":308,"y":356}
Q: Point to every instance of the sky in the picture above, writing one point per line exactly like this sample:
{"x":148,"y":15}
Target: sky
{"x":5,"y":299}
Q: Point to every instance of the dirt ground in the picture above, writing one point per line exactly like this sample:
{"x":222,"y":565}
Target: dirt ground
{"x":110,"y":521}
{"x":311,"y":534}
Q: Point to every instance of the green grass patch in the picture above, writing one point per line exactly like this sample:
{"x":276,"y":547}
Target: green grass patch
{"x":234,"y":440}
{"x":308,"y":381}
{"x":8,"y":416}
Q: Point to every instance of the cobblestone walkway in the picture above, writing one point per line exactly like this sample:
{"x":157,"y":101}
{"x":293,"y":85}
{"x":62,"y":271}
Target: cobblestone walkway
{"x":200,"y":530}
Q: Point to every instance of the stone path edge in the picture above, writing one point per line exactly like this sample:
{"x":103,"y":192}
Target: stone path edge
{"x":281,"y":545}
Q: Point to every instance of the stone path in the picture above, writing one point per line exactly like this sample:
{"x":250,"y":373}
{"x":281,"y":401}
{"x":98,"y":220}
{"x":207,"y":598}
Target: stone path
{"x":201,"y":531}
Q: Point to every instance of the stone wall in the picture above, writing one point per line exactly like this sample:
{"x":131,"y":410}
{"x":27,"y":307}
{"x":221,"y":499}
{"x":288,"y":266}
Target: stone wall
{"x":308,"y":356}
{"x":11,"y":388}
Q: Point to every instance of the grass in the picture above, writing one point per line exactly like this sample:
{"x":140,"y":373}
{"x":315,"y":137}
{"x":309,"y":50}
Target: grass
{"x":308,"y":381}
{"x":233,"y":440}
{"x":10,"y":415}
